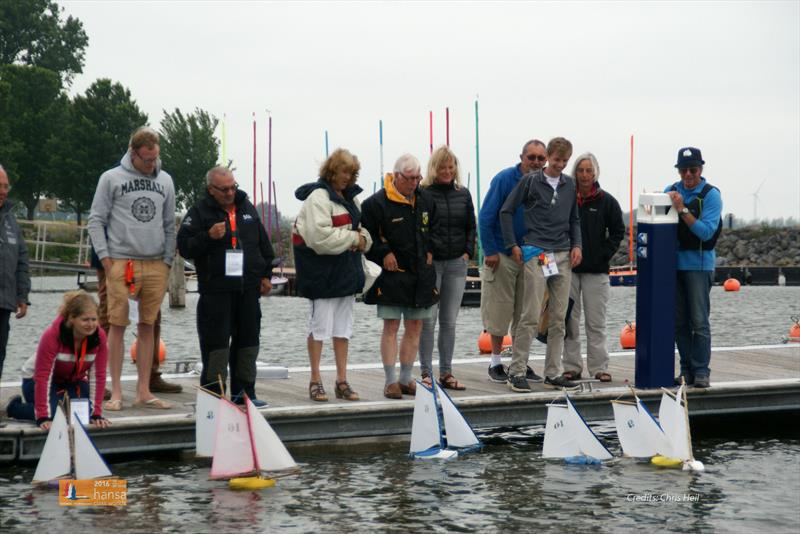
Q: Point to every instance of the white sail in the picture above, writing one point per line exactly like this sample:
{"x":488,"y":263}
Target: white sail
{"x":459,"y":433}
{"x":652,"y":430}
{"x":271,"y":454}
{"x":205,"y":423}
{"x":54,"y":461}
{"x":559,"y":441}
{"x":425,"y":430}
{"x":673,"y":421}
{"x":587,"y":442}
{"x":233,"y":451}
{"x":88,"y":462}
{"x":630,"y":430}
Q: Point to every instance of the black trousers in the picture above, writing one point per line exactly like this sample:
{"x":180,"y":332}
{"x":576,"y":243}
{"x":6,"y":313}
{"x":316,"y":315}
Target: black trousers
{"x":4,"y":330}
{"x":229,"y":327}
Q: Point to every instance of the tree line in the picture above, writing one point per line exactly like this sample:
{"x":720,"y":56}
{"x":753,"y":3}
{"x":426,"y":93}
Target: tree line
{"x":52,"y":145}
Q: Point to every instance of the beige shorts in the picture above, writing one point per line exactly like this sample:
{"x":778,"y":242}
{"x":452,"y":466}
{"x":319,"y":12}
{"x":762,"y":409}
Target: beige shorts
{"x":501,"y":296}
{"x":149,"y":284}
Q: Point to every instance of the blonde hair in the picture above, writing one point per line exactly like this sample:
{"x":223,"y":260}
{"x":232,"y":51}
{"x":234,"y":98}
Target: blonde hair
{"x":340,"y":160}
{"x":76,"y":303}
{"x":143,"y":136}
{"x":559,"y":146}
{"x":439,"y":158}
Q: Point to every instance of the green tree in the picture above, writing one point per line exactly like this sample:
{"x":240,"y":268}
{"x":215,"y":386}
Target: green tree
{"x":188,"y":150}
{"x":34,"y":113}
{"x":32,"y":32}
{"x":96,"y":136}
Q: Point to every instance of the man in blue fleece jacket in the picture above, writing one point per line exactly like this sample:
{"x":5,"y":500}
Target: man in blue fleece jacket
{"x":699,"y":207}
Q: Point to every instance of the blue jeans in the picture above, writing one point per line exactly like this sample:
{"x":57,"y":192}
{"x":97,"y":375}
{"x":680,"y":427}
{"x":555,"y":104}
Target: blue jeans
{"x":692,"y":328}
{"x":25,"y":409}
{"x":450,"y":278}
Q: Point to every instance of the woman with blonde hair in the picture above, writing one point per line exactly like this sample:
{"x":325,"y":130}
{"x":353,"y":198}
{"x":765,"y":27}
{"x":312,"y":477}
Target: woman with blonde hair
{"x":452,"y":238}
{"x":328,"y":243}
{"x":70,"y":347}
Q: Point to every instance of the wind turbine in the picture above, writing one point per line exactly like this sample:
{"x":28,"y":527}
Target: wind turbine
{"x":756,"y":199}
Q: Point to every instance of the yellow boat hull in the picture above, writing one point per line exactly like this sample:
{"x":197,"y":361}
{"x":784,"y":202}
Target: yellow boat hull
{"x":663,"y":461}
{"x":250,"y":483}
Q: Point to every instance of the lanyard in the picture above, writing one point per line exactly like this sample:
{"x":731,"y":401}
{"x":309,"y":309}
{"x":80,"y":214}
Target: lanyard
{"x":80,"y":358}
{"x":232,"y":222}
{"x":129,"y":277}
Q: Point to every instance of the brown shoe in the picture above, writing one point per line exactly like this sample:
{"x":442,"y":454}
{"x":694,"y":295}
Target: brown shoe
{"x":316,"y":392}
{"x":393,"y":391}
{"x":409,"y":389}
{"x":107,"y":394}
{"x":344,"y":391}
{"x":159,"y":385}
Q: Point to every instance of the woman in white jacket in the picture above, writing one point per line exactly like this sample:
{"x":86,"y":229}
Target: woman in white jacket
{"x":328,"y":243}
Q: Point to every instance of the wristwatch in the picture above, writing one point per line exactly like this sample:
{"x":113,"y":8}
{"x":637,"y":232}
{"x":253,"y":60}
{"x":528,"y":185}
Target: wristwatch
{"x":684,"y":210}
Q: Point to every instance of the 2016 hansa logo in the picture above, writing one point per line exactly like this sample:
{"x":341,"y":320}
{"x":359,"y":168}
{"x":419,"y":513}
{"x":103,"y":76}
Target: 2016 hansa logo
{"x":107,"y":492}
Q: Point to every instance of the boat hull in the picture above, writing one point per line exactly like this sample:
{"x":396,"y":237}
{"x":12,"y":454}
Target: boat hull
{"x":435,"y":454}
{"x":250,"y":483}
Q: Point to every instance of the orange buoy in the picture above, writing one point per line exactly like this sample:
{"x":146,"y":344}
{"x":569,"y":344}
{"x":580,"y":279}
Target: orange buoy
{"x":162,"y":350}
{"x":794,"y":331}
{"x":627,"y":338}
{"x":732,"y":284}
{"x":485,"y":342}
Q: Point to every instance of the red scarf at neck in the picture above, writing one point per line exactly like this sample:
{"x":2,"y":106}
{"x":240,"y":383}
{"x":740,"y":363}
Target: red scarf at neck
{"x":594,"y":194}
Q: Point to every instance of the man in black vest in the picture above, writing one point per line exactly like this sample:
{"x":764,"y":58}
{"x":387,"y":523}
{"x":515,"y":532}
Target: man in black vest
{"x":699,"y":206}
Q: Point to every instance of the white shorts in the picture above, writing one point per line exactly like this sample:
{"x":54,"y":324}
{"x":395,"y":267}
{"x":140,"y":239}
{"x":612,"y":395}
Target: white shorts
{"x":331,"y":318}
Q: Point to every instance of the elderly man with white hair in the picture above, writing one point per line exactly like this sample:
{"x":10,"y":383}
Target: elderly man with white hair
{"x":398,"y":219}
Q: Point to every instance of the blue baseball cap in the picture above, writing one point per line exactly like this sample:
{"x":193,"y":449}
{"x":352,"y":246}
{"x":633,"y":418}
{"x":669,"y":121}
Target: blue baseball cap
{"x":689,"y":157}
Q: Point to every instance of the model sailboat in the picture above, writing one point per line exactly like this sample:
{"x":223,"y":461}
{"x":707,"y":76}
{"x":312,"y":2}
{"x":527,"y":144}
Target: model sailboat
{"x":429,"y":440}
{"x":639,"y":433}
{"x":205,"y":427}
{"x":246,"y":447}
{"x":673,"y":414}
{"x":69,"y":453}
{"x":568,"y":436}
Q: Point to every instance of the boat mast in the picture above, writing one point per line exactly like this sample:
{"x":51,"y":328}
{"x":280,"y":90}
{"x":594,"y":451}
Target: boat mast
{"x":630,"y":211}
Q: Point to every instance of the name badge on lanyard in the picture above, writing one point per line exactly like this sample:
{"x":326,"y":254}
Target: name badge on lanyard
{"x":234,"y":263}
{"x":548,"y":263}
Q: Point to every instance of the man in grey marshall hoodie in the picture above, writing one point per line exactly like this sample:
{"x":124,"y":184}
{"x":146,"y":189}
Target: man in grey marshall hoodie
{"x":552,"y":236}
{"x":134,"y":204}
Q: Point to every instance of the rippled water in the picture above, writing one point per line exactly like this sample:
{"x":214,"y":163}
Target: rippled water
{"x":749,"y":484}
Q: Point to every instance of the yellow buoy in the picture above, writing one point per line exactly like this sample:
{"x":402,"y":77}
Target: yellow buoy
{"x":663,"y":461}
{"x":250,"y":483}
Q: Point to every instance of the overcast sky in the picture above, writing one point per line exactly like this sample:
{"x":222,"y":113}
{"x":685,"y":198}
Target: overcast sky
{"x":721,"y":76}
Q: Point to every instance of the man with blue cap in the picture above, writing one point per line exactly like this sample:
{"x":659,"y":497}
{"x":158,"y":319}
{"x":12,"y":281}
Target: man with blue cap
{"x":699,"y":207}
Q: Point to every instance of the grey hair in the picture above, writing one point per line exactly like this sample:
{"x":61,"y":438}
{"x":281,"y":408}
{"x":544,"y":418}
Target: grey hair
{"x":405,"y":163}
{"x":532,"y":142}
{"x":592,"y":160}
{"x":1,"y":167}
{"x":219,"y":169}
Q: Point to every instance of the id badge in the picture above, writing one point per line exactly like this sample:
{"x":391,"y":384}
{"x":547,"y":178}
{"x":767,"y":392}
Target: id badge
{"x":549,"y":267}
{"x":234,"y":263}
{"x":133,"y":310}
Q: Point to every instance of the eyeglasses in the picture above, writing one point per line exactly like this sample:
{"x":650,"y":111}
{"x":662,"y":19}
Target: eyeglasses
{"x":148,"y":161}
{"x":555,"y":197}
{"x":689,"y":170}
{"x":533,"y":157}
{"x":225,"y":190}
{"x":411,"y":178}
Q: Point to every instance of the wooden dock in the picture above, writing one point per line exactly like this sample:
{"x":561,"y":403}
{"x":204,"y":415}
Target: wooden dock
{"x":745,"y":380}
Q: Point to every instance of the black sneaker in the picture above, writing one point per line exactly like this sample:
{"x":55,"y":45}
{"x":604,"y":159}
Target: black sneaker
{"x":701,"y":382}
{"x":530,"y":375}
{"x":497,"y":374}
{"x":518,"y":384}
{"x":688,"y":380}
{"x":559,"y":382}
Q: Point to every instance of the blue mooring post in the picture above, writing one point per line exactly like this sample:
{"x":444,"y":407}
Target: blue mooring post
{"x":656,"y":262}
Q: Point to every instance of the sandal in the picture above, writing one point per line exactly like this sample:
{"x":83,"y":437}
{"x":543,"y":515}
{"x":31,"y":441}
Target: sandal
{"x":316,"y":392}
{"x":572,"y":375}
{"x":602,"y":376}
{"x":344,"y":391}
{"x":448,"y":381}
{"x":426,"y":379}
{"x":113,"y":405}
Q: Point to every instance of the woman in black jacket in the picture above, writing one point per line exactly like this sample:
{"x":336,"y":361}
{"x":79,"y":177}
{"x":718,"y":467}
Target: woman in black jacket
{"x":453,"y":244}
{"x":602,"y":229}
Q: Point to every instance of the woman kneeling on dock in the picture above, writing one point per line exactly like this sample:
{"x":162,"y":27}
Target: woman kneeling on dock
{"x":69,"y":347}
{"x":328,"y":245}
